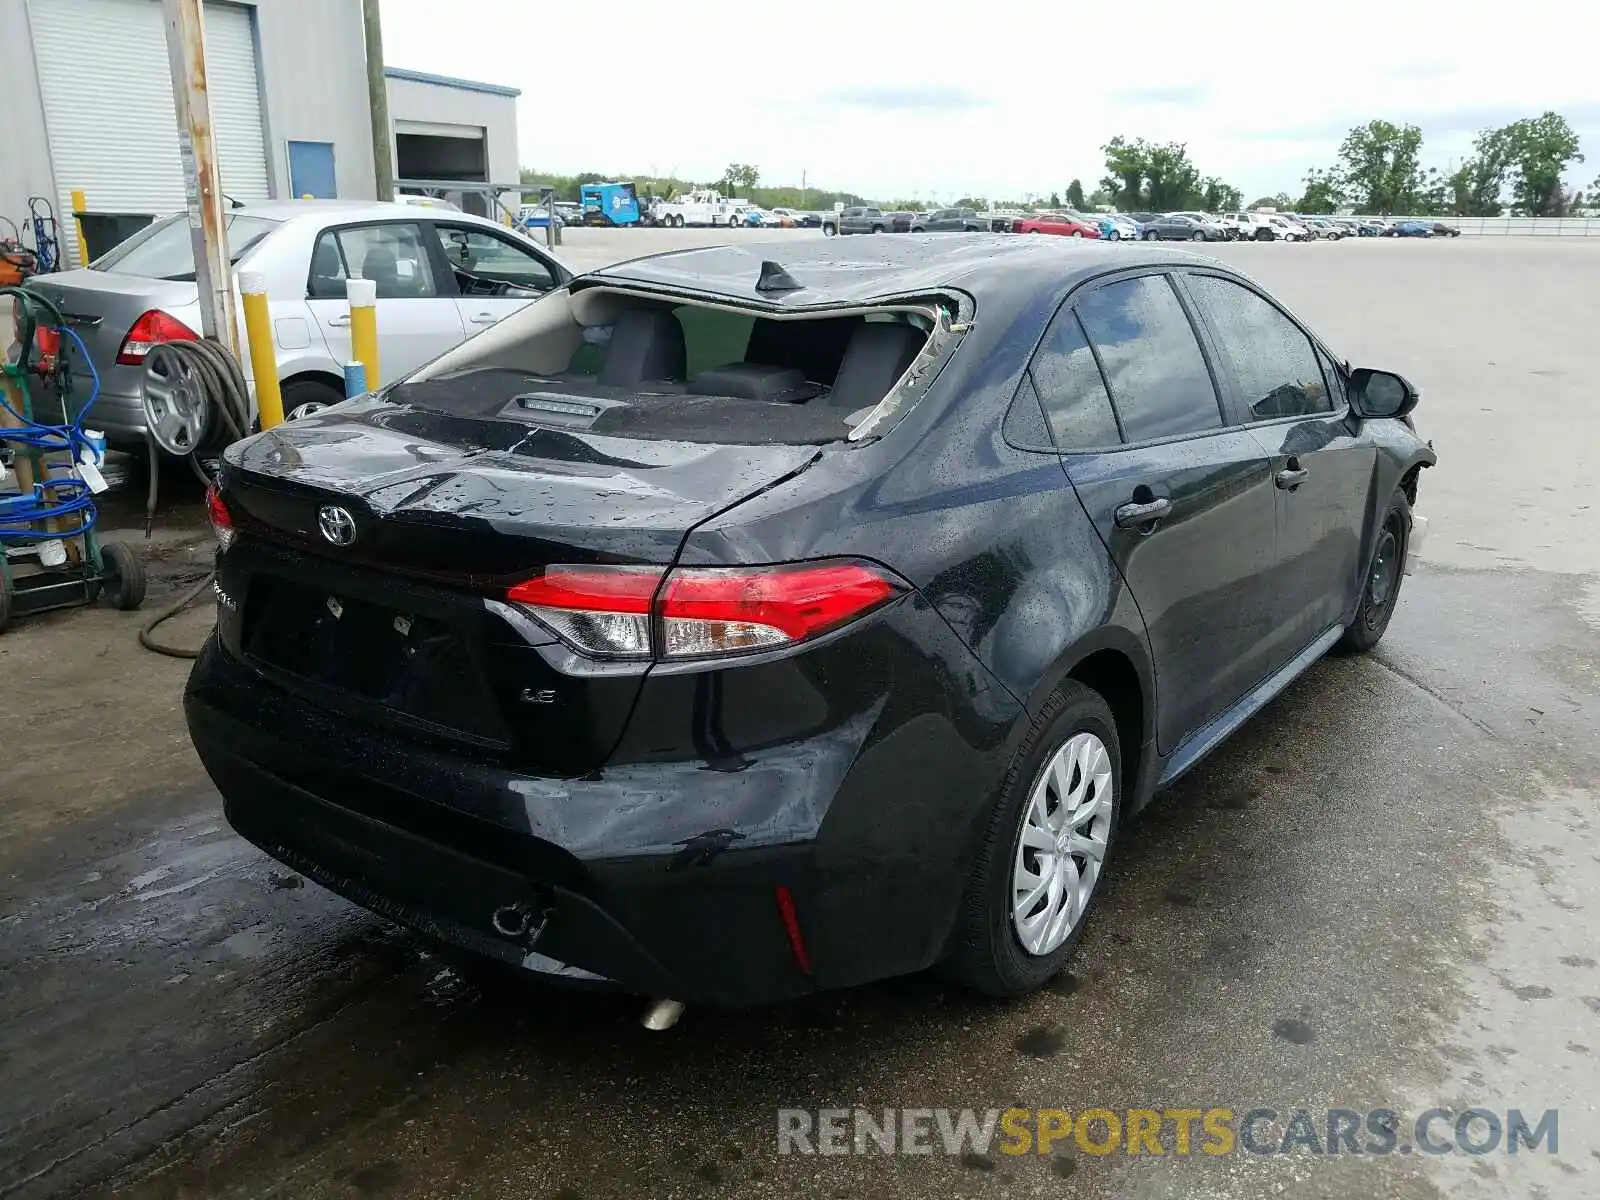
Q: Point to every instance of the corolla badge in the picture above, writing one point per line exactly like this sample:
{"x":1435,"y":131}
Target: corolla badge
{"x":337,"y":525}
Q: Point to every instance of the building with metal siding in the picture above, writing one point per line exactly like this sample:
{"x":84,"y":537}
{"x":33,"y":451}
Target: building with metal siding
{"x":87,"y":100}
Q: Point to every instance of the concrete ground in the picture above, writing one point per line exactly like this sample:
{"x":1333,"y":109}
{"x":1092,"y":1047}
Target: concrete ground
{"x":1381,"y":893}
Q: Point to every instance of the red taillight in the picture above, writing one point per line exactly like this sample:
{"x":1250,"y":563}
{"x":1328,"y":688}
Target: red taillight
{"x":609,"y":612}
{"x":151,"y":329}
{"x":221,"y":518}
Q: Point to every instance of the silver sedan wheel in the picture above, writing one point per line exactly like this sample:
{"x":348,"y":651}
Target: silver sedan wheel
{"x":1062,"y":844}
{"x":304,"y":410}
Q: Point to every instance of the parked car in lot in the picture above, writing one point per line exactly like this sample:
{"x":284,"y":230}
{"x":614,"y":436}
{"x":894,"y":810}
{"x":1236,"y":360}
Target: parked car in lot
{"x":594,"y":650}
{"x":442,"y":276}
{"x":1286,"y":229}
{"x":1060,"y":224}
{"x":1440,"y":229}
{"x":856,"y":219}
{"x":954,"y":220}
{"x":1251,"y":226}
{"x":1422,"y":229}
{"x":1215,"y":230}
{"x":808,"y":220}
{"x":783,"y":218}
{"x":901,"y":221}
{"x":1115,"y":227}
{"x":1177,"y":228}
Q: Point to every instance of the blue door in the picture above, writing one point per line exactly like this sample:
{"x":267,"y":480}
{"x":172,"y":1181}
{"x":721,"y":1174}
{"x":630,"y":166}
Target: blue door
{"x":311,"y":171}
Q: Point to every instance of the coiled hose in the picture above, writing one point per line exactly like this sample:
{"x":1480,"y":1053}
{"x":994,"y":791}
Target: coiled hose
{"x":226,"y":397}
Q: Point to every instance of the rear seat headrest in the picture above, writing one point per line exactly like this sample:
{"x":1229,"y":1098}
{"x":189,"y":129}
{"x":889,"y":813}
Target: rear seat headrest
{"x":878,"y":354}
{"x":646,"y":344}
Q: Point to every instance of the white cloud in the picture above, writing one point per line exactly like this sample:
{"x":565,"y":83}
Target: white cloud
{"x":941,"y":99}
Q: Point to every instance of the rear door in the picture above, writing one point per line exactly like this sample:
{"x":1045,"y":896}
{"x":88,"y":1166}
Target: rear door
{"x":1184,"y":503}
{"x":1288,"y":393}
{"x":416,"y":320}
{"x":492,"y":274}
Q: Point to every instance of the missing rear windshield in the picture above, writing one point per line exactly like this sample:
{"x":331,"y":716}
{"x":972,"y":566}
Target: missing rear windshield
{"x":609,"y":362}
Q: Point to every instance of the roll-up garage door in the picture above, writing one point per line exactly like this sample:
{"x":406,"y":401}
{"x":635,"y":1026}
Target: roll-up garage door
{"x":109,"y":113}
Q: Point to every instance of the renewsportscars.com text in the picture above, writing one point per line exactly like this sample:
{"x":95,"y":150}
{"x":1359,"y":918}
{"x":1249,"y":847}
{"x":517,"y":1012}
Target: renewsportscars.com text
{"x":1174,"y":1131}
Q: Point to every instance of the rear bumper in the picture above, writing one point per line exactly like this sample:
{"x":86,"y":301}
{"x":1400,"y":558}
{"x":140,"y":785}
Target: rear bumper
{"x":119,"y":416}
{"x":658,"y":878}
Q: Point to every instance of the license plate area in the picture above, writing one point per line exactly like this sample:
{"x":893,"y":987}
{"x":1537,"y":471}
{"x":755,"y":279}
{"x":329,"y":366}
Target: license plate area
{"x":412,"y":664}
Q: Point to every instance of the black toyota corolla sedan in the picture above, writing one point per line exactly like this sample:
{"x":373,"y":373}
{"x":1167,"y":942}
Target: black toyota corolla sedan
{"x":721,"y":630}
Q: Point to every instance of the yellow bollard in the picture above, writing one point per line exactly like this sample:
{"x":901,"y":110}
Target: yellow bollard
{"x":263,"y":356}
{"x":363,"y":297}
{"x":79,"y":206}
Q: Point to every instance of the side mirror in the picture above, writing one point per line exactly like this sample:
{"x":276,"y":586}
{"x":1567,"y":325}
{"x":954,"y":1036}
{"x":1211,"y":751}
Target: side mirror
{"x":1380,"y":394}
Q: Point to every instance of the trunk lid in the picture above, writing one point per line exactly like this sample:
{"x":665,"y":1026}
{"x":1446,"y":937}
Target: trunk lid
{"x":102,"y":306}
{"x":449,"y":511}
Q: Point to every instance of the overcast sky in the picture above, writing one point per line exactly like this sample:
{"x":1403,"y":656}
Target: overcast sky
{"x":934,"y":100}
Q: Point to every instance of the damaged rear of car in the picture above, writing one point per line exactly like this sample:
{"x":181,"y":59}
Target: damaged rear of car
{"x":474,"y":671}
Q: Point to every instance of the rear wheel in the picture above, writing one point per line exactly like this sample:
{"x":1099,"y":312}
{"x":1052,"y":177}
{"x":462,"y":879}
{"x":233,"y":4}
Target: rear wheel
{"x":1152,"y":236}
{"x":830,"y":230}
{"x":306,"y":396}
{"x":1382,"y":586}
{"x":1263,"y":235}
{"x":877,"y":229}
{"x":1077,"y":233}
{"x":1036,"y":874}
{"x":1197,"y":236}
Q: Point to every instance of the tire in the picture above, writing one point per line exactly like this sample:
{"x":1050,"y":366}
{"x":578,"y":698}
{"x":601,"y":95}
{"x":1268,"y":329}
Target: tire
{"x":1152,"y":236}
{"x":830,"y":230}
{"x":121,"y":576}
{"x":306,"y":396}
{"x":1381,"y":588}
{"x":877,"y":229}
{"x":1116,"y":235}
{"x":989,"y":954}
{"x":1197,"y":236}
{"x":1077,"y":233}
{"x":1263,"y":235}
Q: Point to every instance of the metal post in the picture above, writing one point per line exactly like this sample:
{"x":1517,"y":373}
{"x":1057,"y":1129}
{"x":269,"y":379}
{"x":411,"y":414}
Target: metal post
{"x":378,"y":101}
{"x":263,"y":354}
{"x":79,"y":206}
{"x":186,"y":54}
{"x":363,"y":297}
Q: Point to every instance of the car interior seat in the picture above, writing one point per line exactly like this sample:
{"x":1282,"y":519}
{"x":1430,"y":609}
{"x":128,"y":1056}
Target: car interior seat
{"x":646,"y":344}
{"x":815,"y":347}
{"x":381,"y":267}
{"x":878,"y":354}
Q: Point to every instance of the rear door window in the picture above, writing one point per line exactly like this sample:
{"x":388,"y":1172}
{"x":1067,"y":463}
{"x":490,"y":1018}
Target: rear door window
{"x":1153,"y":364}
{"x":1071,"y":390}
{"x":1269,"y":357}
{"x":392,"y":255}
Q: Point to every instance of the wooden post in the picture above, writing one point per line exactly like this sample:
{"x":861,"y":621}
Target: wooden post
{"x":378,"y":101}
{"x":186,"y":55}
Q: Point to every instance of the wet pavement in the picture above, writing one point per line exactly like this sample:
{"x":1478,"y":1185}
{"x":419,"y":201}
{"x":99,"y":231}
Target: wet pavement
{"x":1380,"y":894}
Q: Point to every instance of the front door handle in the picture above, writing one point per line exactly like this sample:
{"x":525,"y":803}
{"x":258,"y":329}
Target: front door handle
{"x":1290,"y":478}
{"x":483,"y":319}
{"x":339,"y":322}
{"x":1133,"y":515}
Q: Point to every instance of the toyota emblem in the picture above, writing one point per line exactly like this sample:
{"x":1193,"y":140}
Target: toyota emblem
{"x":337,"y":525}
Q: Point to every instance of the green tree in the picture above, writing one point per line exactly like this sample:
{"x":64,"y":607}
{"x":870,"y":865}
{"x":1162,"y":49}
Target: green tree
{"x":1476,"y":185}
{"x":1101,"y":198}
{"x":977,"y":202}
{"x":739,"y":180}
{"x":1539,"y":150}
{"x":1378,"y":163}
{"x":1281,"y":201}
{"x":1219,"y":197}
{"x":1324,"y":192}
{"x":1055,"y":199}
{"x":1144,"y":175}
{"x":1075,"y":198}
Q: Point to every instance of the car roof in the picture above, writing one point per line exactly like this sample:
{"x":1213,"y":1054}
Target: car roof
{"x":865,"y":270}
{"x":342,"y":210}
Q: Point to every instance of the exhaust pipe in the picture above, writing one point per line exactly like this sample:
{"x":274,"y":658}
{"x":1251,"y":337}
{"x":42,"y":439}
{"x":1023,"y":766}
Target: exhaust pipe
{"x":662,"y":1015}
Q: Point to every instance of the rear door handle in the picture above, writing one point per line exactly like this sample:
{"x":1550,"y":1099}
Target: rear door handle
{"x":483,"y":319}
{"x":339,"y":322}
{"x":1291,"y":478}
{"x":1132,"y":515}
